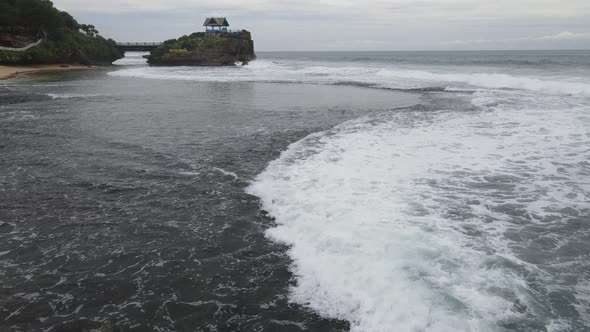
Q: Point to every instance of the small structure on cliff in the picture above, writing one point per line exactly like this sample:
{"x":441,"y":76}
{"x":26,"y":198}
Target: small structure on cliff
{"x":216,"y":24}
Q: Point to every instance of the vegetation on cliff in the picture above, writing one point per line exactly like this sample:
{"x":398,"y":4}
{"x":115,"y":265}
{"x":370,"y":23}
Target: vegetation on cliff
{"x":205,"y":49}
{"x":189,"y":42}
{"x":65,"y":40}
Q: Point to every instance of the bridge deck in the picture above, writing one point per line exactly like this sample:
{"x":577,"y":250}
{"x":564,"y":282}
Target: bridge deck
{"x":129,"y":46}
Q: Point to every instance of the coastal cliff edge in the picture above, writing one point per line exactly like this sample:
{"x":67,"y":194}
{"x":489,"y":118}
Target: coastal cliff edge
{"x":205,"y":49}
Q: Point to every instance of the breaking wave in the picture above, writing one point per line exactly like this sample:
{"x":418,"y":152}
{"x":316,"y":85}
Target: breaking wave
{"x":132,"y":59}
{"x":71,"y":95}
{"x":457,"y":216}
{"x":406,"y":221}
{"x":371,"y":76}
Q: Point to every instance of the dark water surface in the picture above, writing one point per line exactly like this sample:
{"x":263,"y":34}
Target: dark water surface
{"x":361,"y":191}
{"x":122,"y":201}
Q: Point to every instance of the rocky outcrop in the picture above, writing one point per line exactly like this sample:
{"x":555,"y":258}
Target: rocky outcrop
{"x":205,"y":49}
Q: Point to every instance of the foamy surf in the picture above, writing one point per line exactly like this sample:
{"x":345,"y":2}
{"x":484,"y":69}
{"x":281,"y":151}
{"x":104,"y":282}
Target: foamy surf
{"x":132,"y":59}
{"x":226,"y":173}
{"x":404,"y":221}
{"x":384,"y":76}
{"x":71,"y":95}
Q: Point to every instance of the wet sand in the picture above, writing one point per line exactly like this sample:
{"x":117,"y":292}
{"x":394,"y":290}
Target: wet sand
{"x":7,"y":72}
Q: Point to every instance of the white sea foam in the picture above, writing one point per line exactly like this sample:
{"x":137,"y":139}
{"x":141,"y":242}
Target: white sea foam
{"x":383,"y":77}
{"x":228,"y":173}
{"x":395,"y":222}
{"x":132,"y":59}
{"x":494,"y":81}
{"x":71,"y":95}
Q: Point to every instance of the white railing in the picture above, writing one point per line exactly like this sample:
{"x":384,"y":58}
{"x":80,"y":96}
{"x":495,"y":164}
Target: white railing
{"x":21,"y":49}
{"x":139,"y":44}
{"x":224,"y":31}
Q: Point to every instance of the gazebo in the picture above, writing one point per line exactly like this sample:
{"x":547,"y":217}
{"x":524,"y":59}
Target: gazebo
{"x":216,"y":24}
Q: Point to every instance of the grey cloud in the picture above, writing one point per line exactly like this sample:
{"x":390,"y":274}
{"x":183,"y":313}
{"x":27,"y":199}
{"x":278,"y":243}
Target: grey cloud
{"x":352,"y":24}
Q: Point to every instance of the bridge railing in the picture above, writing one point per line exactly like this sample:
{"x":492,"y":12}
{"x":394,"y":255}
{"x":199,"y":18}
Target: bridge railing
{"x":139,"y":44}
{"x":224,"y":31}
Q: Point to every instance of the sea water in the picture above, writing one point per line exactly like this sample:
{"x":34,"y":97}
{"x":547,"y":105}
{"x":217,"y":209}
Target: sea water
{"x":362,"y":191}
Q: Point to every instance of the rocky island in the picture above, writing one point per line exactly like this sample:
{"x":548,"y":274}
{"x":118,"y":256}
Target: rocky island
{"x":217,"y":46}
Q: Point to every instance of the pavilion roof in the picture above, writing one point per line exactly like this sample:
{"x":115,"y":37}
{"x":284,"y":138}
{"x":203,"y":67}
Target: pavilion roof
{"x":216,"y":22}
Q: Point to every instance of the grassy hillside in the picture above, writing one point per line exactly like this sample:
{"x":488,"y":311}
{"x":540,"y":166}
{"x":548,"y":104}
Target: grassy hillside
{"x":193,"y":41}
{"x":66,"y":40}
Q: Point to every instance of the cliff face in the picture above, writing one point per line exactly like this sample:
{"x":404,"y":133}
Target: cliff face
{"x":205,"y":49}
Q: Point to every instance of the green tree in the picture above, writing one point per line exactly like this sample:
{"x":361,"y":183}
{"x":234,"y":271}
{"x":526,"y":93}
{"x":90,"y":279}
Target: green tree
{"x":66,"y":40}
{"x":89,"y":30}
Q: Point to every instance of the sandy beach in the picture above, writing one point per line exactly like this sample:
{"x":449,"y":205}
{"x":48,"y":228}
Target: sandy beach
{"x":7,"y":72}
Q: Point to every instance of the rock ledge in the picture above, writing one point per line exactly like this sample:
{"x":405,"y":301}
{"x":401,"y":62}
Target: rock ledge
{"x":205,"y":49}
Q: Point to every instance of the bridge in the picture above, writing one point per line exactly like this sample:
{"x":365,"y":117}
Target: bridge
{"x":138,"y":47}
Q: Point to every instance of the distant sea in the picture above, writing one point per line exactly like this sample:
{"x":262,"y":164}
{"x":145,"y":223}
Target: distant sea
{"x":345,"y":191}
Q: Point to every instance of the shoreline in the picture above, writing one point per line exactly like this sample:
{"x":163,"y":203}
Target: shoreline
{"x":11,"y":72}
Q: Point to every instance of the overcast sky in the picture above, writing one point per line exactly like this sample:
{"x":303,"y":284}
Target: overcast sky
{"x":351,"y":25}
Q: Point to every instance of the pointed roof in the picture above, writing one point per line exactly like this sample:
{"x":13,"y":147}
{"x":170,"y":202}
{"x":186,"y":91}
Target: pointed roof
{"x":216,"y":22}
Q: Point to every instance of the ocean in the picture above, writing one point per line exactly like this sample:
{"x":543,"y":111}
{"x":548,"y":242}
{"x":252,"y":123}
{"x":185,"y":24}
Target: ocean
{"x":307,"y":191}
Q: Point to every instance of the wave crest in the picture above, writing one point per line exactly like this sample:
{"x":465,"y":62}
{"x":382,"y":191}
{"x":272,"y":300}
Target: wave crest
{"x":369,"y":76}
